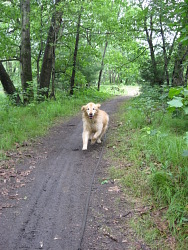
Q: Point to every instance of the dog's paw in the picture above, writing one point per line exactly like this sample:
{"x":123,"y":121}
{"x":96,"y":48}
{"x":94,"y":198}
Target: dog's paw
{"x":91,"y":137}
{"x":99,"y":141}
{"x":84,"y":148}
{"x":93,"y":141}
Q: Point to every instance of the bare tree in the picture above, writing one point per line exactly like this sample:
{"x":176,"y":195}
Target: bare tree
{"x":102,"y":65}
{"x":8,"y":85}
{"x":164,"y":52}
{"x":41,"y":46}
{"x":26,"y":71}
{"x":186,"y":76}
{"x":46,"y":70}
{"x":72,"y":80}
{"x":167,"y":57}
{"x":178,"y":71}
{"x":149,"y":36}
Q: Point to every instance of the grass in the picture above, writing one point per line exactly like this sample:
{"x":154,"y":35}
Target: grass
{"x":148,"y":150}
{"x":115,"y":89}
{"x":19,"y":124}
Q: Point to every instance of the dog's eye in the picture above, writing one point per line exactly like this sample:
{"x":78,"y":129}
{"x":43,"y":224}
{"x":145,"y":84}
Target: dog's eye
{"x":93,"y":108}
{"x":88,"y":109}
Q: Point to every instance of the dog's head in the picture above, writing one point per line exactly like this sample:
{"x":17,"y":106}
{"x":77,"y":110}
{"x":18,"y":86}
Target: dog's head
{"x":91,"y":109}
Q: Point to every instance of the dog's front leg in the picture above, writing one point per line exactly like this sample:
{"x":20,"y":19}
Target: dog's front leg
{"x":102,"y":133}
{"x":85,"y":137}
{"x":96,"y":136}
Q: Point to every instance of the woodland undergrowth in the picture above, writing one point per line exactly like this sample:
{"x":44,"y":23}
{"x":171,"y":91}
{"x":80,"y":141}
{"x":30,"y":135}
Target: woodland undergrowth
{"x":21,"y":123}
{"x":149,"y":148}
{"x":147,"y":145}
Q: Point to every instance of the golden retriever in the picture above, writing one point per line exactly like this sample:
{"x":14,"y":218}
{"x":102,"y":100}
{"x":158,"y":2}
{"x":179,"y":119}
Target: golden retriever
{"x":95,"y":123}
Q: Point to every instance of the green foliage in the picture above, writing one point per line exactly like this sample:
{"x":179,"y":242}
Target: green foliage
{"x":162,"y":187}
{"x":101,"y":21}
{"x":154,"y":142}
{"x":146,"y":71}
{"x":114,"y":89}
{"x":145,"y":227}
{"x":149,"y":102}
{"x":117,"y":22}
{"x":20,"y":124}
{"x":182,"y":26}
{"x":179,"y":96}
{"x":9,"y":29}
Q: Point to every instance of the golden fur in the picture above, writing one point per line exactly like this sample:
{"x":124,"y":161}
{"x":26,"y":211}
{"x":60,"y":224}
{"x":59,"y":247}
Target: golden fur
{"x":95,"y":123}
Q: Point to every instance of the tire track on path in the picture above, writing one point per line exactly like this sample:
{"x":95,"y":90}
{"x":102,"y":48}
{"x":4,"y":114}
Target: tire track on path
{"x":51,"y":216}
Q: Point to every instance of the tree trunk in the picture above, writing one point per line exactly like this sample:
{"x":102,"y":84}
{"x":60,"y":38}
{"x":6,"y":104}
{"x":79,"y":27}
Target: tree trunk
{"x":45,"y":75}
{"x":41,"y":47}
{"x":102,"y":65}
{"x":177,"y":75}
{"x":110,"y":76}
{"x":186,"y":76}
{"x":46,"y":70}
{"x":26,"y":71}
{"x":8,"y":85}
{"x":151,"y":47}
{"x":52,"y":94}
{"x":164,"y":53}
{"x":72,"y":80}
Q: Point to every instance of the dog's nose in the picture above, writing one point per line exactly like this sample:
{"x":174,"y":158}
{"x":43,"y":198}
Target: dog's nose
{"x":90,"y":115}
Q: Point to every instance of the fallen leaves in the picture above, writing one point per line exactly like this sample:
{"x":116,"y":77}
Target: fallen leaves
{"x":114,"y":189}
{"x":11,"y":177}
{"x":6,"y":205}
{"x":111,"y":237}
{"x":143,"y":210}
{"x":14,"y":196}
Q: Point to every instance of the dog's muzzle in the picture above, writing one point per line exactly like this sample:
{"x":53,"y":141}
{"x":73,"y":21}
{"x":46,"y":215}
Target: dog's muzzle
{"x":90,"y":116}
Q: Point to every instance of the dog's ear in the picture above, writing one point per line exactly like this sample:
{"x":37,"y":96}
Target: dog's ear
{"x":83,"y":108}
{"x":97,"y":105}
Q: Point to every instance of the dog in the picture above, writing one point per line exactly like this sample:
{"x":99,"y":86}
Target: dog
{"x":95,"y":123}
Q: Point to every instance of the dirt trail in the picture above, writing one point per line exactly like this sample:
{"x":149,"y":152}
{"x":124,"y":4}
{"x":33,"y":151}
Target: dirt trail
{"x":48,"y":212}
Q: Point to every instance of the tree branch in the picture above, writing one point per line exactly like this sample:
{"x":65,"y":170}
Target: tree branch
{"x":9,"y":60}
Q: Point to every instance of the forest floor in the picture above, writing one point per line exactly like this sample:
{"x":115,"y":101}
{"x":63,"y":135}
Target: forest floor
{"x":45,"y":186}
